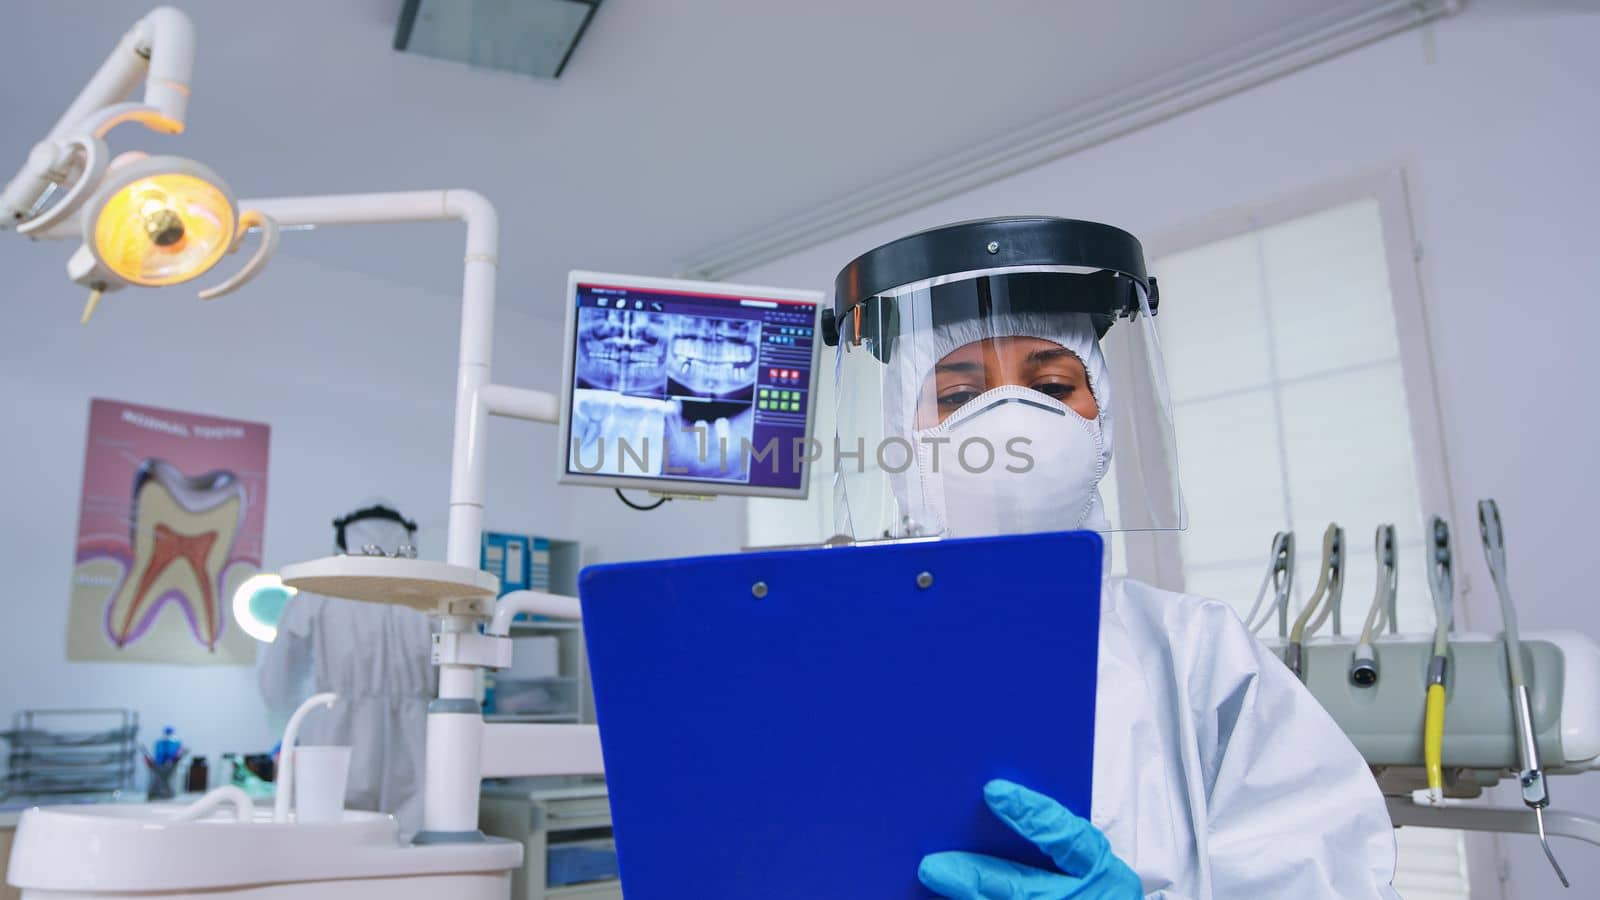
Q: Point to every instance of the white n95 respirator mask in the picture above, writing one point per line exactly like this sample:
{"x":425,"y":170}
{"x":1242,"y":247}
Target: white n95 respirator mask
{"x":1010,"y":461}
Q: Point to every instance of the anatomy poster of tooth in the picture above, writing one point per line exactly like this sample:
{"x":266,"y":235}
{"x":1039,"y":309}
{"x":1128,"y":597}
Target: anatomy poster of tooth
{"x":171,"y":521}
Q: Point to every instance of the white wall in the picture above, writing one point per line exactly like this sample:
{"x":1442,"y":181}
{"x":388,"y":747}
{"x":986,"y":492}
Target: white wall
{"x":1492,"y":113}
{"x":356,"y":377}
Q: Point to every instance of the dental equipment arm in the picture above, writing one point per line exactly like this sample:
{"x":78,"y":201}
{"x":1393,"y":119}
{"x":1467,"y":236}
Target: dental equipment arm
{"x":1443,"y":587}
{"x":538,"y":603}
{"x":523,"y":750}
{"x":1499,"y":819}
{"x":1330,"y":586}
{"x":159,"y":49}
{"x":1535,"y":790}
{"x":461,"y":747}
{"x":1364,"y":667}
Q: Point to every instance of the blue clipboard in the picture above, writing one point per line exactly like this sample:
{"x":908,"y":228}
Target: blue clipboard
{"x":810,"y":723}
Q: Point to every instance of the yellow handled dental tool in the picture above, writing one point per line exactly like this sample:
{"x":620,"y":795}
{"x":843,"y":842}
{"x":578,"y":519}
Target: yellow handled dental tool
{"x":1441,"y":581}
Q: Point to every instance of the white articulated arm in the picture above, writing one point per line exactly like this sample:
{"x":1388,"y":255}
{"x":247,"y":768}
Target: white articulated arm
{"x":477,"y":321}
{"x":158,"y":49}
{"x":171,"y":53}
{"x":535,"y":603}
{"x":520,"y":403}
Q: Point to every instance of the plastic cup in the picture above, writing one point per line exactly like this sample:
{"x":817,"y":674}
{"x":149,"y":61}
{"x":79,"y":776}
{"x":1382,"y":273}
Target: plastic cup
{"x":320,"y":775}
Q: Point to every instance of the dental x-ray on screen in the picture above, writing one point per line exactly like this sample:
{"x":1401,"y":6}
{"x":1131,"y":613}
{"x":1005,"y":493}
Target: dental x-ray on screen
{"x":688,"y":387}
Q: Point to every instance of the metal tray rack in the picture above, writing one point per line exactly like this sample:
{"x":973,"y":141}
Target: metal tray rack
{"x":64,"y":754}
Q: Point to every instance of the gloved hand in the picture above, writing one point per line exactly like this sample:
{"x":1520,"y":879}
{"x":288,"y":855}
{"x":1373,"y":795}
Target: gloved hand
{"x":1092,"y":871}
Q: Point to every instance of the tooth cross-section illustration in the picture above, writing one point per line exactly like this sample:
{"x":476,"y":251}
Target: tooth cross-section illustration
{"x":183,"y":529}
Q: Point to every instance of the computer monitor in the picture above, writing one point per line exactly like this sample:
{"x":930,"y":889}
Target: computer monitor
{"x":688,"y":387}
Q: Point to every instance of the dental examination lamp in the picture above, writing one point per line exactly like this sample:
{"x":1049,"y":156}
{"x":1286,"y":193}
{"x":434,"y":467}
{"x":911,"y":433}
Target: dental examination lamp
{"x":155,"y":221}
{"x":144,"y":221}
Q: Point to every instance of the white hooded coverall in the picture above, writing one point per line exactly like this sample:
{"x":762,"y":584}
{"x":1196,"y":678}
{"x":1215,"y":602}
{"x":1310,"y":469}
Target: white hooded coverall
{"x":378,"y":659}
{"x":1217,"y":775}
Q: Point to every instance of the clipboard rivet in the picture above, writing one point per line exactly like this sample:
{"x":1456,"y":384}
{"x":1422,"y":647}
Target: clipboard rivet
{"x":925,"y":580}
{"x":759,"y":589}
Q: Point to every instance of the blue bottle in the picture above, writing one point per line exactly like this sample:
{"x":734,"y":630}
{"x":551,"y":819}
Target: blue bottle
{"x":168,"y":748}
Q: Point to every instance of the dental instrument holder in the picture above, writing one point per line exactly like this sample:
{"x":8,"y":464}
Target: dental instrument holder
{"x":1384,"y":722}
{"x":160,"y":783}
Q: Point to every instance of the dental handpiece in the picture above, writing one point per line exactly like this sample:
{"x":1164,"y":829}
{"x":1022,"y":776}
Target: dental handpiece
{"x":1280,"y":575}
{"x":1330,"y":585}
{"x":1535,"y":791}
{"x":1283,"y":585}
{"x":1364,"y":666}
{"x":1441,"y":581}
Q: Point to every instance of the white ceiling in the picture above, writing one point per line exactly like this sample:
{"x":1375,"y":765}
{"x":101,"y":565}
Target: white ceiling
{"x":677,"y":124}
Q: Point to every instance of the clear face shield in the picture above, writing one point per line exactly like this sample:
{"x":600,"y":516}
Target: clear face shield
{"x":1001,"y":377}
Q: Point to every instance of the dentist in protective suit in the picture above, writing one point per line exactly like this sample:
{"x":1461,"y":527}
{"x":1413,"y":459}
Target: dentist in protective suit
{"x":996,"y":364}
{"x":378,"y":658}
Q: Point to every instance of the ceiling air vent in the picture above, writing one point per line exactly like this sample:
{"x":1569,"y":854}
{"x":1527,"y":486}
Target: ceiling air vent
{"x":530,"y":37}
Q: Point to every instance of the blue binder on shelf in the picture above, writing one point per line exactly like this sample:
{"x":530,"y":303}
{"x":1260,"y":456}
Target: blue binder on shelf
{"x":810,"y":723}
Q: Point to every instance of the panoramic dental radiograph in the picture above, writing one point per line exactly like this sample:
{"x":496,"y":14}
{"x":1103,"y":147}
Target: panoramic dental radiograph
{"x":713,"y":358}
{"x":623,"y":351}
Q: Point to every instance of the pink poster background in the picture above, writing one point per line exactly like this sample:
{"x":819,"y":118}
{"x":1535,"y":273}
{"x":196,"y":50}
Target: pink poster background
{"x":122,"y":437}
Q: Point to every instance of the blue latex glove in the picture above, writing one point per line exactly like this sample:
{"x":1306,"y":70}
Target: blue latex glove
{"x":1091,"y":870}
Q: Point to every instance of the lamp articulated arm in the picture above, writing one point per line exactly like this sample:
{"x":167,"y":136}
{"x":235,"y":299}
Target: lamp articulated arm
{"x":158,"y":50}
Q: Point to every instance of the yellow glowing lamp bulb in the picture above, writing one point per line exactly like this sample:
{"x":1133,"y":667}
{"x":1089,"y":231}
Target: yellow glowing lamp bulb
{"x":161,"y":221}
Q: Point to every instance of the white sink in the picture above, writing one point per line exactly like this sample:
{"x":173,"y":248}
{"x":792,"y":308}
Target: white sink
{"x":82,"y":852}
